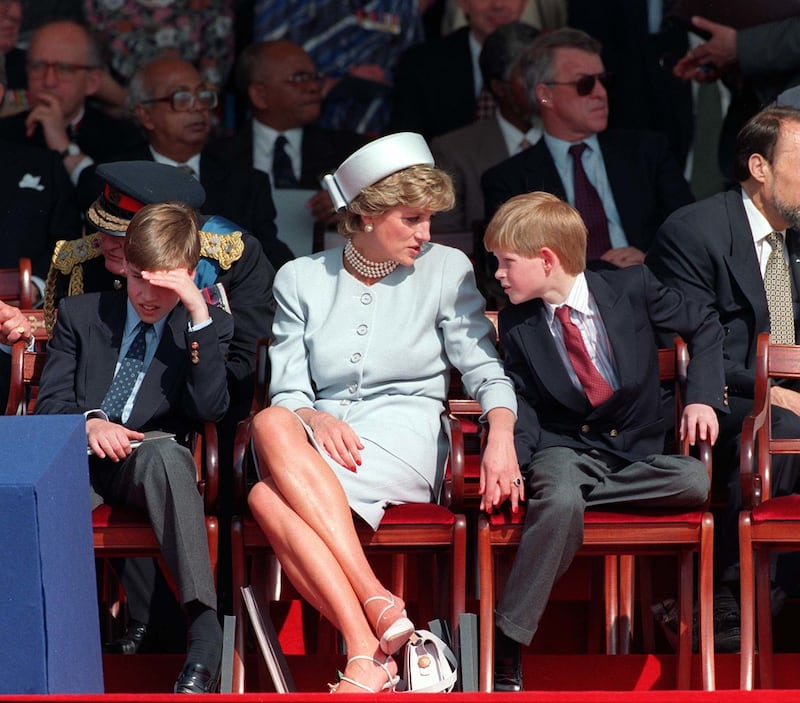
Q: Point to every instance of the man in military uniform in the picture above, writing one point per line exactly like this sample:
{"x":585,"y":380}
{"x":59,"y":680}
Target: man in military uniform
{"x":233,"y":272}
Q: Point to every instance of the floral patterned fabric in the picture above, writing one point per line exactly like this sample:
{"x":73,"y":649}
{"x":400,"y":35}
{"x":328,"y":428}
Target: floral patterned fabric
{"x":136,"y":31}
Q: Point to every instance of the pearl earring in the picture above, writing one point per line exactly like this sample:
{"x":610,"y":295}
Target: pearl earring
{"x":368,"y":227}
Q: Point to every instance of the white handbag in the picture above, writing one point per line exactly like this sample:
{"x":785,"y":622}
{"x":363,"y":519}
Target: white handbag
{"x":430,"y":665}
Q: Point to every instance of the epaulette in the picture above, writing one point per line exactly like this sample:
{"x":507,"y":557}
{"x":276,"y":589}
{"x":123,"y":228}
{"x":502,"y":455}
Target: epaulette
{"x":69,"y":256}
{"x":222,"y":248}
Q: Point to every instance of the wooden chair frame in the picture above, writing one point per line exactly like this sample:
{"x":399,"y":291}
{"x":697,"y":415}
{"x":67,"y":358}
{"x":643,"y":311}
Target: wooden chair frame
{"x":766,"y":524}
{"x":16,"y":285}
{"x":619,"y":536}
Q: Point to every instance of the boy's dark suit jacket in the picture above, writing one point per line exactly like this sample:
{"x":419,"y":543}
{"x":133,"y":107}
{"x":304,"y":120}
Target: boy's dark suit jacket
{"x":644,"y":177}
{"x":175,"y":392}
{"x":630,"y":424}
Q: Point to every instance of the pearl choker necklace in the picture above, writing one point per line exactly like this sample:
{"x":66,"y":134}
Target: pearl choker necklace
{"x":365,"y":267}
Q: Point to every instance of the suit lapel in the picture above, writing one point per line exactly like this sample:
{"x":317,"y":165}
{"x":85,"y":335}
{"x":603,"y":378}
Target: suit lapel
{"x":105,"y":335}
{"x":618,"y":317}
{"x":623,"y":189}
{"x":741,"y":259}
{"x":536,"y":341}
{"x":540,"y":171}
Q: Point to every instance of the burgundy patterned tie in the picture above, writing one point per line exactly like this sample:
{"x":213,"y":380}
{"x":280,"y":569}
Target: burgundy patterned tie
{"x":594,"y":385}
{"x":589,"y":205}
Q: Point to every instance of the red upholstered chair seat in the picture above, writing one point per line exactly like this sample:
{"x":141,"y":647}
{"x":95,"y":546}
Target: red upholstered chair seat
{"x":783,"y":508}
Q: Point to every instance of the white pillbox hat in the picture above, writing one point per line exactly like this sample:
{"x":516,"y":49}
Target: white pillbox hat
{"x":375,"y":161}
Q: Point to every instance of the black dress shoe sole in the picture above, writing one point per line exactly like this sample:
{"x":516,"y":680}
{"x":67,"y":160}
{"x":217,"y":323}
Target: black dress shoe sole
{"x":196,"y":679}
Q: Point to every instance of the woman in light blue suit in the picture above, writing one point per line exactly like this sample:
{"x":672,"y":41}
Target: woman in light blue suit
{"x":364,"y":339}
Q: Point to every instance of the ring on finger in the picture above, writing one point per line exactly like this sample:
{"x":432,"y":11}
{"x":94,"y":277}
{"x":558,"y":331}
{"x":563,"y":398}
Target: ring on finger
{"x":21,"y":329}
{"x":517,"y":482}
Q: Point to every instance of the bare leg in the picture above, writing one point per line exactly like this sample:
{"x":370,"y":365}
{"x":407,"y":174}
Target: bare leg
{"x":304,"y":513}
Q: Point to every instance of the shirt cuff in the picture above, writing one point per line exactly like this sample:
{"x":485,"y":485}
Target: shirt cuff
{"x":202,"y":325}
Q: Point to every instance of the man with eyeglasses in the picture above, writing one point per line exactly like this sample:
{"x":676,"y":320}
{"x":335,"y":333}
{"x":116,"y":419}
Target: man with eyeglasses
{"x":173,"y":105}
{"x":623,"y":182}
{"x":64,"y":68}
{"x":283,"y":140}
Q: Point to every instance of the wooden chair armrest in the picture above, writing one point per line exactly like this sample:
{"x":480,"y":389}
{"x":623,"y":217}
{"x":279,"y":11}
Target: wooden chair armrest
{"x":752,"y":426}
{"x":453,"y":493}
{"x":15,"y":405}
{"x":210,"y":467}
{"x":241,"y":445}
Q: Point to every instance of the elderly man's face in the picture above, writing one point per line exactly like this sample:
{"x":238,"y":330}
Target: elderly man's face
{"x":567,"y":114}
{"x":59,"y":65}
{"x":781,"y":181}
{"x":170,"y":129}
{"x":288,"y":89}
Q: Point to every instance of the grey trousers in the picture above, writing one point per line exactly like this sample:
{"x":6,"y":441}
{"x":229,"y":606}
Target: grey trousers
{"x":160,"y":477}
{"x":560,"y":484}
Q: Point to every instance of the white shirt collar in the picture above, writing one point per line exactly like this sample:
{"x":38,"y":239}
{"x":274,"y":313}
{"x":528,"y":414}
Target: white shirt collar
{"x":578,"y":298}
{"x":194,"y":162}
{"x":759,"y":226}
{"x":514,"y":136}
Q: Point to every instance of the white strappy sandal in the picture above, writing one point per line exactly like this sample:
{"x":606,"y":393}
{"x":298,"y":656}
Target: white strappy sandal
{"x":397,"y":634}
{"x":391,"y":681}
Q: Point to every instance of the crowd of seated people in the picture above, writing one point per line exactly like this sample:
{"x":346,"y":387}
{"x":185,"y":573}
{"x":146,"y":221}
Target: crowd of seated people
{"x":507,"y":110}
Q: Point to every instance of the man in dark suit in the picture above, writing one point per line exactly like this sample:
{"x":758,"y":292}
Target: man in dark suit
{"x":437,"y":84}
{"x":284,"y":90}
{"x":467,"y":152}
{"x":64,"y":67}
{"x":581,"y":349}
{"x":173,"y":105}
{"x":151,"y":359}
{"x":624,"y":183}
{"x":718,"y":251}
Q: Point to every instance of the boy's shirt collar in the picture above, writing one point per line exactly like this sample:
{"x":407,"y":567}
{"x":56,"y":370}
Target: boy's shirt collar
{"x":577,"y":299}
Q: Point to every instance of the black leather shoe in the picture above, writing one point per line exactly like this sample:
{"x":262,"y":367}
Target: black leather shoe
{"x":131,"y":642}
{"x":507,"y":664}
{"x":196,"y":678}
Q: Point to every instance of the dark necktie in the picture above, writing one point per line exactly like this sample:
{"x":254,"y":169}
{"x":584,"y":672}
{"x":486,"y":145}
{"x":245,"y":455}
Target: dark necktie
{"x":122,"y":385}
{"x":484,"y":105}
{"x":778,"y":287}
{"x":282,"y":173}
{"x":594,"y":385}
{"x":589,"y":205}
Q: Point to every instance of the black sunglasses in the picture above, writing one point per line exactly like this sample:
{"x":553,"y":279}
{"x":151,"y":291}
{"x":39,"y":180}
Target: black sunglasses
{"x":585,"y":84}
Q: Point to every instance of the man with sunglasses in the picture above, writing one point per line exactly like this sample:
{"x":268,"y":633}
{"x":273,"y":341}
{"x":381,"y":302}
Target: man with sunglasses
{"x":623,"y":182}
{"x":64,"y":68}
{"x":173,"y":105}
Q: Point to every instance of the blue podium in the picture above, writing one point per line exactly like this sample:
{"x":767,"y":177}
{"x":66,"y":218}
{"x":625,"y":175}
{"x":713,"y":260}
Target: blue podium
{"x":48,"y":593}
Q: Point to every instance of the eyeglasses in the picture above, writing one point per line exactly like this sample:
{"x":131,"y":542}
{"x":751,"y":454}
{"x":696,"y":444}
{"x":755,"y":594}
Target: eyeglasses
{"x":585,"y":84}
{"x":63,"y":70}
{"x":304,"y":77}
{"x":185,"y":100}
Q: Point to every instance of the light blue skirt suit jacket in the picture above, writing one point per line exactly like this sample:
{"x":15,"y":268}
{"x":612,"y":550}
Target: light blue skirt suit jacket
{"x":379,"y":358}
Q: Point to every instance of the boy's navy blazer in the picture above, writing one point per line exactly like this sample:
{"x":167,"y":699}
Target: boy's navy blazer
{"x":630,"y":424}
{"x":176,"y":392}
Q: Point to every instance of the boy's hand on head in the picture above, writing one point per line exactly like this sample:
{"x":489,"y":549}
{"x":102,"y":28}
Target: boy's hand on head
{"x":699,"y":422}
{"x":109,"y":440}
{"x":181,"y":282}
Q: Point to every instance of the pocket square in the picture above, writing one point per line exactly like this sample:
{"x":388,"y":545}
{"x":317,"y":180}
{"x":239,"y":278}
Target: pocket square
{"x":30,"y":181}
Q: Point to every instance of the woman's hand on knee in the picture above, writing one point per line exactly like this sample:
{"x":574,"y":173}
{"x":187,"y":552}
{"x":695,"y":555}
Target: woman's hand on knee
{"x":338,"y":439}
